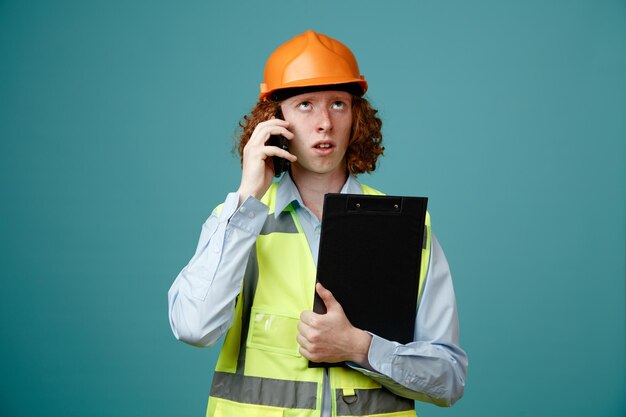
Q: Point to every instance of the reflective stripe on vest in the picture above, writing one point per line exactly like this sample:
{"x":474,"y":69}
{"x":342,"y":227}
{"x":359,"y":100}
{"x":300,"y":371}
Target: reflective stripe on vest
{"x":364,"y":402}
{"x":264,"y":391}
{"x":260,"y":371}
{"x":296,"y":394}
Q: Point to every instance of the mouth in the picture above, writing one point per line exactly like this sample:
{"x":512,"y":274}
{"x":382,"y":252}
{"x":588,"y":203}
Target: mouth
{"x":323,"y":145}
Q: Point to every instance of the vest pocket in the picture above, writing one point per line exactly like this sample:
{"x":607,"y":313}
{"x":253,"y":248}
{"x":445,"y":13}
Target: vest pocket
{"x":225,"y":408}
{"x":274,"y":332}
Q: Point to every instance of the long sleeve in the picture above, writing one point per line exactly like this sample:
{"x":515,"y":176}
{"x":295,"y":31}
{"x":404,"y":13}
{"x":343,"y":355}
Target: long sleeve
{"x":433,"y":367}
{"x":201,"y":301}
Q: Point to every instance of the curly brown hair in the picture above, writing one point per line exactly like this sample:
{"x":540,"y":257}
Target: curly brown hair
{"x":365,"y":141}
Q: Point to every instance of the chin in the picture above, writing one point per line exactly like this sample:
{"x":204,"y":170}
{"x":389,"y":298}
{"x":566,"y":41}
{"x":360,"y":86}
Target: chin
{"x":320,"y":170}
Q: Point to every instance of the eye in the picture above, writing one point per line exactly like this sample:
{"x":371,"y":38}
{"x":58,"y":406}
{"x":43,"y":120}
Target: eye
{"x":305,"y":105}
{"x":339,"y":105}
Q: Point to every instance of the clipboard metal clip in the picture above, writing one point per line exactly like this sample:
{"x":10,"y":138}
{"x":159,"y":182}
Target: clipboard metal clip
{"x":364,"y":203}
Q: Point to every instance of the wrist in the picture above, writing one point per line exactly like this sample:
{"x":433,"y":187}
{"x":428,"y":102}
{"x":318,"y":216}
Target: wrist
{"x":245,"y":193}
{"x":252,"y":189}
{"x":362,"y":340}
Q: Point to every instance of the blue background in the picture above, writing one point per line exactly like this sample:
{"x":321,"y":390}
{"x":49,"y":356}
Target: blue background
{"x":116,"y":127}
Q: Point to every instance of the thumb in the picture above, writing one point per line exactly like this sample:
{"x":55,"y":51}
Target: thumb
{"x":328,"y":298}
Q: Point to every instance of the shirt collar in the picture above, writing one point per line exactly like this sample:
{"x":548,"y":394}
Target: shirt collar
{"x":287,"y":192}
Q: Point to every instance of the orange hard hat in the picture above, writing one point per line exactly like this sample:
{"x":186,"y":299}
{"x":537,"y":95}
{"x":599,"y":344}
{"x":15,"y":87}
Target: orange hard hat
{"x":310,"y":59}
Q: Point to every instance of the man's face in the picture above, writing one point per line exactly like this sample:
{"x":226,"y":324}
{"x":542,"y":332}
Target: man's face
{"x":322,"y":123}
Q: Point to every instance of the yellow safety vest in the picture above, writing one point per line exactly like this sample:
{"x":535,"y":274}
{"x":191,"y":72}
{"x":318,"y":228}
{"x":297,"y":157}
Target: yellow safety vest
{"x":260,"y":372}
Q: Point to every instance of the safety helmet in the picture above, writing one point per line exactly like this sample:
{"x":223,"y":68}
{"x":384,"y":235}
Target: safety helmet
{"x":311,"y":59}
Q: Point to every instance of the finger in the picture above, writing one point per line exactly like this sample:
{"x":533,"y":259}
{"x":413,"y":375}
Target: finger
{"x":307,"y":319}
{"x":262,"y":134}
{"x":302,"y":341}
{"x":305,"y":353}
{"x":274,"y":120}
{"x":328,"y":297}
{"x":302,"y":328}
{"x":279,"y":130}
{"x":272,"y":123}
{"x":275,"y":151}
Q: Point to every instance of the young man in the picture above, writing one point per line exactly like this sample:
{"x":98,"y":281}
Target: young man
{"x":253,"y":274}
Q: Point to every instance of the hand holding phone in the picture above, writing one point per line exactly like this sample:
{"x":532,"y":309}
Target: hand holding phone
{"x":257,"y":170}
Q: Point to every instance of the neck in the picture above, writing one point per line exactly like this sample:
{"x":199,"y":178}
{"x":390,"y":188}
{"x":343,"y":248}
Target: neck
{"x":312,"y":188}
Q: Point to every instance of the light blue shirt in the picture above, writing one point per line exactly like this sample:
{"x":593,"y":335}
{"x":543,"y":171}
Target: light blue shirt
{"x":202,"y":300}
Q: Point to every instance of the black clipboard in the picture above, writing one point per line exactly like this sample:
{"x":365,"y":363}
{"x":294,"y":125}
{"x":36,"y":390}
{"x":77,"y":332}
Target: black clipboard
{"x":369,"y":258}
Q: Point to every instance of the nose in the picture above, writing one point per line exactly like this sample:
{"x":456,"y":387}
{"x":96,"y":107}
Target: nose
{"x":324,"y":123}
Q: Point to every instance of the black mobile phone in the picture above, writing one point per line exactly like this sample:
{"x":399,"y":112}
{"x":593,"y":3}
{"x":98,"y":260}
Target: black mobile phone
{"x":280,"y":164}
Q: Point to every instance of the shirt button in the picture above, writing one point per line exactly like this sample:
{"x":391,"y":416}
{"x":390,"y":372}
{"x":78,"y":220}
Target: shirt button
{"x":242,"y":209}
{"x":251,"y":215}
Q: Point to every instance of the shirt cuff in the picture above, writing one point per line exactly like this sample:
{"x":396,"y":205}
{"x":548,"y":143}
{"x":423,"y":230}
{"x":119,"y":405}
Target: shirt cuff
{"x":229,"y":207}
{"x":378,"y":356}
{"x":250,"y":216}
{"x":381,"y":353}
